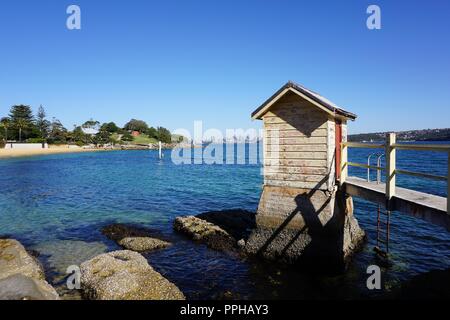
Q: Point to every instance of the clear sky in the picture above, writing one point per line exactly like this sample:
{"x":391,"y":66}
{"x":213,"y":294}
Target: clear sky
{"x":173,"y":62}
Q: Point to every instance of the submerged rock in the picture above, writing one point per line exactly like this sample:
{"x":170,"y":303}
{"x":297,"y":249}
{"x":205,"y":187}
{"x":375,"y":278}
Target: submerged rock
{"x":133,"y":238}
{"x":203,"y":231}
{"x":225,"y":230}
{"x":21,"y":275}
{"x":61,"y":254}
{"x":125,"y":275}
{"x":142,"y":244}
{"x":21,"y":287}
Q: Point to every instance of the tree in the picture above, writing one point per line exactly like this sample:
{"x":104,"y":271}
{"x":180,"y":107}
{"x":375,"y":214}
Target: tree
{"x":152,"y":133}
{"x":103,"y":137}
{"x":110,"y":127}
{"x":6,"y":123}
{"x":136,"y":125}
{"x":21,"y":124}
{"x":42,"y":123}
{"x":91,"y":123}
{"x":127,"y":137}
{"x":164,"y":135}
{"x":21,"y":118}
{"x":58,"y":134}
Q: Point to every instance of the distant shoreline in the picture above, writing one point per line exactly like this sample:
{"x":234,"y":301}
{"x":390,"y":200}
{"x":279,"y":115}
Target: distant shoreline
{"x":18,"y":153}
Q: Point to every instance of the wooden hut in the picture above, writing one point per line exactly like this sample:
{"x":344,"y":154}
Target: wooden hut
{"x":302,"y":136}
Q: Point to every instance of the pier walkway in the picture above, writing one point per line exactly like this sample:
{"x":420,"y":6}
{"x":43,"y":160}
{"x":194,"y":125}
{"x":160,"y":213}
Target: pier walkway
{"x":428,"y":207}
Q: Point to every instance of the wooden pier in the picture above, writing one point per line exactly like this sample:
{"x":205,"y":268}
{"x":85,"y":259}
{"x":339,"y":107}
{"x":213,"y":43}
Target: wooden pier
{"x":425,"y":206}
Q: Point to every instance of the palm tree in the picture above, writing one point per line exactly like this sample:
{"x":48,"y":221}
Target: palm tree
{"x":5,"y":124}
{"x":21,"y":124}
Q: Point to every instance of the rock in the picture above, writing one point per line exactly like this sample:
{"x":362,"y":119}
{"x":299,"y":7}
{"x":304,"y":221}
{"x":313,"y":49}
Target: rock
{"x":203,"y":231}
{"x":61,"y":254}
{"x":219,"y":230}
{"x":21,"y":275}
{"x":142,"y":244}
{"x":21,"y":287}
{"x":133,"y":238}
{"x":238,"y":223}
{"x":241,"y":244}
{"x":125,"y":275}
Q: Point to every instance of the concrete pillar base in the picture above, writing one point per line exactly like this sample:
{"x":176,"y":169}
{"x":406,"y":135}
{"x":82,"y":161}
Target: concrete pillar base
{"x":305,"y":226}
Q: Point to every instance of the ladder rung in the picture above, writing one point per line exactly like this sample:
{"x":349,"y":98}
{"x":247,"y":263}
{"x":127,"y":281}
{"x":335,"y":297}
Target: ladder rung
{"x":382,"y":241}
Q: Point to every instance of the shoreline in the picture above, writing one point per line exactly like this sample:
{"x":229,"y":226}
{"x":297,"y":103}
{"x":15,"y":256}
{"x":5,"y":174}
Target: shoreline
{"x":18,"y":153}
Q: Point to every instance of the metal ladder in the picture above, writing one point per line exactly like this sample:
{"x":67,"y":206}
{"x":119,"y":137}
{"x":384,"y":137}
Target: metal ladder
{"x":383,"y":232}
{"x":383,"y":226}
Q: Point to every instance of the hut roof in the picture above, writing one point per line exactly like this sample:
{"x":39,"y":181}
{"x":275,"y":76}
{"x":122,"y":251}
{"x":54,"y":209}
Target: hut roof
{"x":307,"y":94}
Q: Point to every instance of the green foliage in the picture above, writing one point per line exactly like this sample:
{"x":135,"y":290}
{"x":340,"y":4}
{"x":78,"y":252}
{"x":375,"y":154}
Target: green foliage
{"x":57,"y":134}
{"x":110,"y":127}
{"x":22,"y":122}
{"x":42,"y":124}
{"x":152,"y":133}
{"x":91,"y":123}
{"x":22,"y":125}
{"x":127,"y":137}
{"x":136,"y":125}
{"x":164,"y":135}
{"x":102,"y":137}
{"x":36,"y":140}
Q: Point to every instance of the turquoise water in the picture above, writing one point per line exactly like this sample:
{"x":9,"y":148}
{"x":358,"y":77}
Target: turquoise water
{"x":57,"y":204}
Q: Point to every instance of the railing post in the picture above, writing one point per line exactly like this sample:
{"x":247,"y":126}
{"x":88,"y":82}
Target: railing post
{"x":448,"y":185}
{"x":390,"y":167}
{"x":344,"y":165}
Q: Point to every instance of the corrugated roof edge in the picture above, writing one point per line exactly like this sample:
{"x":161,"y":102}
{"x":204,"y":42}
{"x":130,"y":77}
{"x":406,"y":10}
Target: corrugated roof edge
{"x":313,"y":96}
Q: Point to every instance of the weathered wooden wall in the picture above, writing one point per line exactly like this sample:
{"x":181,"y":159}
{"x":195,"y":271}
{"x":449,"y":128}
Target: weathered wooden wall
{"x":298,"y":145}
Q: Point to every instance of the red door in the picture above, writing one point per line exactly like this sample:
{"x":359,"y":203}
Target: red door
{"x":338,"y":148}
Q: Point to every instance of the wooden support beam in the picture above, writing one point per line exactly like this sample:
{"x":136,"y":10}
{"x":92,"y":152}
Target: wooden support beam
{"x":390,"y":167}
{"x":448,"y":185}
{"x":344,"y":164}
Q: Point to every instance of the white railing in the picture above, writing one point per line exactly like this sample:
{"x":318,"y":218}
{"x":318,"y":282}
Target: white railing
{"x":390,"y":148}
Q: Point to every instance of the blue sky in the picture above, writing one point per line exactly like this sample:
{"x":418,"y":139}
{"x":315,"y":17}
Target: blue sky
{"x":173,"y":62}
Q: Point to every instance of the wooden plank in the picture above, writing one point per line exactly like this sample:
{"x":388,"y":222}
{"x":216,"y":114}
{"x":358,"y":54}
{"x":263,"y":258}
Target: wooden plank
{"x":294,"y":118}
{"x":302,"y":148}
{"x":296,"y":184}
{"x":294,"y":177}
{"x":297,"y":141}
{"x":364,"y":145}
{"x":344,"y":164}
{"x":296,"y":163}
{"x":290,"y":133}
{"x":298,"y":155}
{"x":302,"y":127}
{"x":297,"y":170}
{"x":422,"y":147}
{"x":421,"y":205}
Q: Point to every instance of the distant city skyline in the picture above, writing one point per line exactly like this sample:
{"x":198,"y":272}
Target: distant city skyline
{"x":171,"y":64}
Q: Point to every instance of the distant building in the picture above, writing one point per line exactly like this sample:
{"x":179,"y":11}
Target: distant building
{"x":135,"y":133}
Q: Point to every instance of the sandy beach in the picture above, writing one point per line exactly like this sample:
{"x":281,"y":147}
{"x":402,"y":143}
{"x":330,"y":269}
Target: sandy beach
{"x":14,"y":153}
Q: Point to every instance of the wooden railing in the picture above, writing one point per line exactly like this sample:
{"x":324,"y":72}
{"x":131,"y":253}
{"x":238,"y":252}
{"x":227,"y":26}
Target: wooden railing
{"x":390,"y":148}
